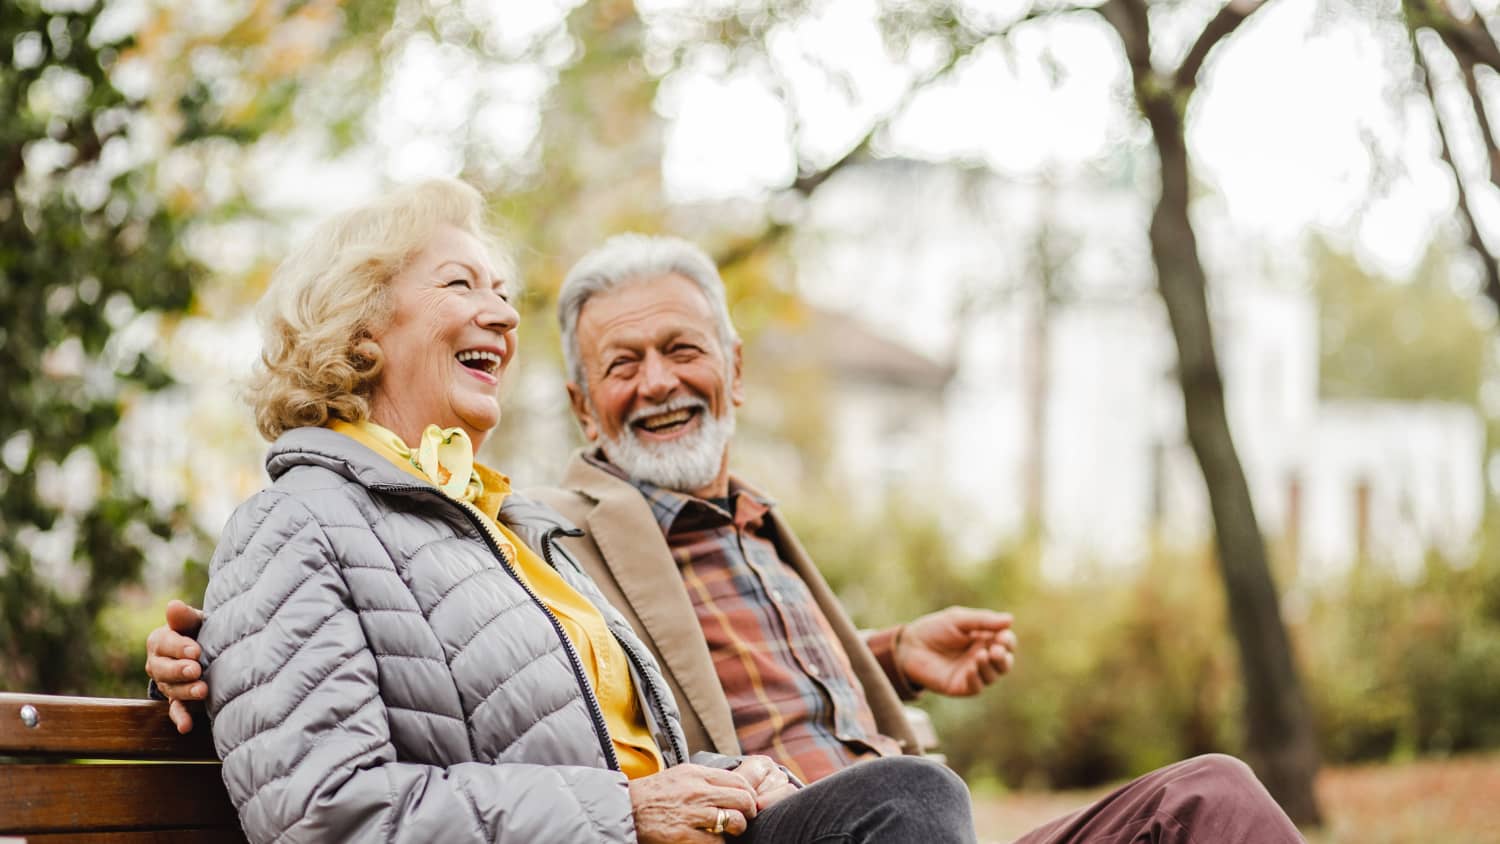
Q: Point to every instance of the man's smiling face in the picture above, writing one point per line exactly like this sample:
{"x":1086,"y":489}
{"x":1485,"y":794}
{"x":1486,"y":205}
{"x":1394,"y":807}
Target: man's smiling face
{"x":660,"y":388}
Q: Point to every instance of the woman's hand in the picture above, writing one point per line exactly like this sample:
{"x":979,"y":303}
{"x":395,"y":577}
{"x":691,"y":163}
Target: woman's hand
{"x":680,"y":805}
{"x":769,"y":780}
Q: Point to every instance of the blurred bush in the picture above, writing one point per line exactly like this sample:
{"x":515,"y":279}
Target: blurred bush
{"x":1122,"y":670}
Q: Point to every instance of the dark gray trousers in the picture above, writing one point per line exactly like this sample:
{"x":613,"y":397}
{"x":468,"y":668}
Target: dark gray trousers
{"x":895,"y":800}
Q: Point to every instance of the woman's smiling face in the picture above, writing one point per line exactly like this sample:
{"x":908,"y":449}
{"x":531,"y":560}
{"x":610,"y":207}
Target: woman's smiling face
{"x":451,"y":335}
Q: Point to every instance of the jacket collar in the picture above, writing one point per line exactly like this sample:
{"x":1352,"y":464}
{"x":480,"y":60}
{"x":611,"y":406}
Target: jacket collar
{"x":634,"y":550}
{"x":351,"y":459}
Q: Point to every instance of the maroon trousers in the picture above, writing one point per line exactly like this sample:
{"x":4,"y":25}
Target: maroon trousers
{"x":1211,"y":799}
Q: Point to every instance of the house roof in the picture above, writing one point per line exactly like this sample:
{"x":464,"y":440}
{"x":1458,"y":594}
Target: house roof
{"x":850,"y":349}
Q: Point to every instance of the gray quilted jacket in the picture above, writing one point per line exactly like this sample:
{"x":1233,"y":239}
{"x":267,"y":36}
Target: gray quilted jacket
{"x":377,"y":672}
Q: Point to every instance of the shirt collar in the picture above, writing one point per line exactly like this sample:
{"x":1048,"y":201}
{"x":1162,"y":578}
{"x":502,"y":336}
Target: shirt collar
{"x":667,"y":505}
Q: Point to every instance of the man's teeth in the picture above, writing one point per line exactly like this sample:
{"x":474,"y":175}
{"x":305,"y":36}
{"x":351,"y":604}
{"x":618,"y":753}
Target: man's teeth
{"x":675,"y":417}
{"x":487,"y":361}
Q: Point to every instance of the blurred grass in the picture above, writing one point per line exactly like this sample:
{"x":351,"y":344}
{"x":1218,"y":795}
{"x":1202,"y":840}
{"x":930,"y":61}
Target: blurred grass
{"x":1433,"y":801}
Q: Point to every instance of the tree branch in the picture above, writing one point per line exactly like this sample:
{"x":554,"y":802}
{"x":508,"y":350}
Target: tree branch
{"x":1470,"y":40}
{"x":1476,"y":242}
{"x":1220,"y":27}
{"x":808,"y":180}
{"x":1482,"y":118}
{"x":1130,"y":22}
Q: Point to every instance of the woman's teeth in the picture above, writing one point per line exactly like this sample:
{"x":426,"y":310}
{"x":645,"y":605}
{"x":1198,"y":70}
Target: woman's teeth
{"x":486,"y":362}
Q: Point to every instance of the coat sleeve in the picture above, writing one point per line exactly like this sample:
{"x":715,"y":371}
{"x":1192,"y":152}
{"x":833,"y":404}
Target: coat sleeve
{"x":302,"y":730}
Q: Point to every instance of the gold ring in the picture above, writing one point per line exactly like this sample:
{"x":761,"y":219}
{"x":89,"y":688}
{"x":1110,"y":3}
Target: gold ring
{"x":718,"y":827}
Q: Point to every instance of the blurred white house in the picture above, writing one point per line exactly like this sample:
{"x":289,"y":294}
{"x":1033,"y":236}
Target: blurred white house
{"x":1064,"y":408}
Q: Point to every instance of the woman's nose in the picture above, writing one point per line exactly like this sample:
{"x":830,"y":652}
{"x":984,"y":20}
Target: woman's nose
{"x":499,"y":315}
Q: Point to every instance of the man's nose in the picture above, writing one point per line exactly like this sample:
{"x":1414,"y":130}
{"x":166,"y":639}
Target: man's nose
{"x":658,"y":380}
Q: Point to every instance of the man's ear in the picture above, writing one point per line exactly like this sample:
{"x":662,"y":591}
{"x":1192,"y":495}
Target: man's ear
{"x":580,"y":404}
{"x":736,"y":383}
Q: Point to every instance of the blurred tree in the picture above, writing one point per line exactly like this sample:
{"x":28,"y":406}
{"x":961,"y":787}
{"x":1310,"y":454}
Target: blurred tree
{"x":92,"y":254}
{"x":1280,"y":742}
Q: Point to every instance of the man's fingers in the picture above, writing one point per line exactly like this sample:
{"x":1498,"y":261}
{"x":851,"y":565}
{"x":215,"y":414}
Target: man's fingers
{"x":987,"y":673}
{"x":180,"y":716}
{"x":767,"y":799}
{"x":183,"y":618}
{"x":1002,"y":658}
{"x":164,"y":642}
{"x":1008,"y":639}
{"x":164,"y":669}
{"x":755,"y":769}
{"x":183,"y":691}
{"x":972,"y":619}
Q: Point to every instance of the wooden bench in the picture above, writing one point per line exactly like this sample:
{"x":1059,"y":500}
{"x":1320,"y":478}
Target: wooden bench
{"x":94,"y":770}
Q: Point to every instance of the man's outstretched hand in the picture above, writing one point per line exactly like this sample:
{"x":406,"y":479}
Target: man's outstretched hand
{"x":172,"y":661}
{"x":957,"y":651}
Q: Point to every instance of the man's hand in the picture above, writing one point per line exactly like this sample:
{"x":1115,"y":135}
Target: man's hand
{"x":172,"y":661}
{"x":770,"y":782}
{"x":957,"y":651}
{"x":679,"y":805}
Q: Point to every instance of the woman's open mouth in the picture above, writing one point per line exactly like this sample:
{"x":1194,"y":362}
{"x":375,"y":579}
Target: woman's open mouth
{"x":481,"y":361}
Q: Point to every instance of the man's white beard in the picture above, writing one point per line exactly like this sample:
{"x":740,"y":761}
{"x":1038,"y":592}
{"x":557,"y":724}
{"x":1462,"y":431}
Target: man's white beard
{"x":685,"y":464}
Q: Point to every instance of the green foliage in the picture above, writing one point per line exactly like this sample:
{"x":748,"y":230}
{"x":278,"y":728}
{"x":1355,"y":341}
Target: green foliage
{"x":1408,"y":339}
{"x":83,"y":251}
{"x":90,"y":249}
{"x":1409,"y":668}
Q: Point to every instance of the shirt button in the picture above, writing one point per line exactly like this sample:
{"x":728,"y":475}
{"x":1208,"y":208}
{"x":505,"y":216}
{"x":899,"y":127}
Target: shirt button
{"x":776,"y":595}
{"x":813,"y":670}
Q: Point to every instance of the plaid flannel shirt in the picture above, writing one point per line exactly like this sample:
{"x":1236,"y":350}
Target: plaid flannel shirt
{"x":791,"y":690}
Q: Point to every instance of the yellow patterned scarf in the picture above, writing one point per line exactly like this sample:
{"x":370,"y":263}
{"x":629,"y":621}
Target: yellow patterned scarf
{"x":444,"y":456}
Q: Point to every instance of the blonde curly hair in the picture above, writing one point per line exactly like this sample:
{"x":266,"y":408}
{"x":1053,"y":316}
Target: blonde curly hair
{"x":331,"y":295}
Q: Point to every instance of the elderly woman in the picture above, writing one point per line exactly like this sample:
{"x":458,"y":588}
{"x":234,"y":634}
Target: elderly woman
{"x":395,"y":647}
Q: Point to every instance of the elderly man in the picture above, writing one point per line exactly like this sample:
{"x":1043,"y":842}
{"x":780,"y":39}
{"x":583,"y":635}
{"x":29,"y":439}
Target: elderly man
{"x":758,"y":652}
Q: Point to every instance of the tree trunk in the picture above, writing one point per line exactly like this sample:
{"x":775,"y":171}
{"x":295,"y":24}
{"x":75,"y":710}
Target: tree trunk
{"x":1279,"y":740}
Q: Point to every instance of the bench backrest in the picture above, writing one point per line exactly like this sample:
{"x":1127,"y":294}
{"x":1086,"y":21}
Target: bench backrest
{"x":107,"y":769}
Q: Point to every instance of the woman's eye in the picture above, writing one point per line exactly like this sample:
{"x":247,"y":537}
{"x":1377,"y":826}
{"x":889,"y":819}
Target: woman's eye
{"x":463,"y":282}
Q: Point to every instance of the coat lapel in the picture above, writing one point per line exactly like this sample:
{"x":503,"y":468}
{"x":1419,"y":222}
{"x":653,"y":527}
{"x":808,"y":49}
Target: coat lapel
{"x":639,"y":562}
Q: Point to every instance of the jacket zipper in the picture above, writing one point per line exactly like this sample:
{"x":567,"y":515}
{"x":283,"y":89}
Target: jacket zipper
{"x":651,"y":689}
{"x":601,"y":731}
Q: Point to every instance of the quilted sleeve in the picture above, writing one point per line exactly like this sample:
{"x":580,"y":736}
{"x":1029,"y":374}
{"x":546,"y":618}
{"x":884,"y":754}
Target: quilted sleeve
{"x":303,"y":733}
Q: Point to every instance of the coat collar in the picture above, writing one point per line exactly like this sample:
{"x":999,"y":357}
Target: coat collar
{"x":348,"y":457}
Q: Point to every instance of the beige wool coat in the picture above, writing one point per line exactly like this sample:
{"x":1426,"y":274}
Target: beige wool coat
{"x":623,"y":550}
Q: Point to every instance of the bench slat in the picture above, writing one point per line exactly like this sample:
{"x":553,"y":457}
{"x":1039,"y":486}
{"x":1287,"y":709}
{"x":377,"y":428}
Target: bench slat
{"x":96,"y":798}
{"x":113,"y":728}
{"x":211,"y":835}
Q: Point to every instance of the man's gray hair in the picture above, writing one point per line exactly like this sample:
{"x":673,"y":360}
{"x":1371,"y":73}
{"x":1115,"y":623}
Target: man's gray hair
{"x":627,"y":258}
